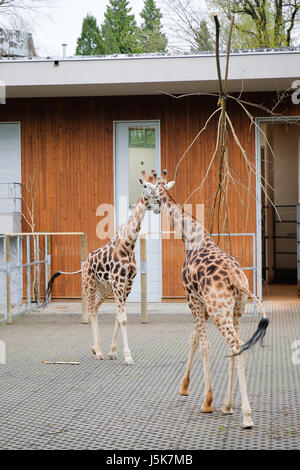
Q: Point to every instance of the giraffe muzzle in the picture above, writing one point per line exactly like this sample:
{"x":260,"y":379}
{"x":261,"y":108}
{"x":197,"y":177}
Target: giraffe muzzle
{"x":156,"y":208}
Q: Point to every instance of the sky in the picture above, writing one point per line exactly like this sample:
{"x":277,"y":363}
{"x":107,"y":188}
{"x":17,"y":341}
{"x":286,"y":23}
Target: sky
{"x":61,"y":23}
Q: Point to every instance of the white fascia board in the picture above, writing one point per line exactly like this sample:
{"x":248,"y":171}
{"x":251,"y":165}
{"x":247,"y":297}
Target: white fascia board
{"x":279,"y":69}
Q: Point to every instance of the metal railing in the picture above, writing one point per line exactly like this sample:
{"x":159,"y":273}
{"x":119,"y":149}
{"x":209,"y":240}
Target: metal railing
{"x":7,"y":267}
{"x":10,"y":197}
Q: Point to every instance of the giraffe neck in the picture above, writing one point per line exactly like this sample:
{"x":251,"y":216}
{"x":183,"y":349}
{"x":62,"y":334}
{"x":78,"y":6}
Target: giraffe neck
{"x":130,"y":231}
{"x":189,"y":229}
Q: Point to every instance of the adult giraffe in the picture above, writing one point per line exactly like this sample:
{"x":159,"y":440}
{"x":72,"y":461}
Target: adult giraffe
{"x":111,"y":269}
{"x":216,"y":288}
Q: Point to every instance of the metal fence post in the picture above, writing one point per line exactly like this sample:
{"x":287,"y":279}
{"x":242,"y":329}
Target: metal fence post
{"x":47,"y":261}
{"x":8,"y":282}
{"x":20,"y":269}
{"x":28,"y":270}
{"x":143,"y":264}
{"x":85,"y":318}
{"x":38,"y":270}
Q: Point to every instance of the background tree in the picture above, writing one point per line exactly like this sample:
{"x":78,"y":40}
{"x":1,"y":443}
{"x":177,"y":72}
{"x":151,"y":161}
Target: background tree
{"x":19,"y":14}
{"x":258,"y":24}
{"x":151,"y":37}
{"x":119,"y":30}
{"x":203,"y":38}
{"x":90,"y":41}
{"x":262,"y":23}
{"x":189,"y":25}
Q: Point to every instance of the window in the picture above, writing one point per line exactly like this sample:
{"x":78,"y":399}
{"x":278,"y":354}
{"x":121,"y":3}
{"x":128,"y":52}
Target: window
{"x":142,"y":156}
{"x":142,"y":137}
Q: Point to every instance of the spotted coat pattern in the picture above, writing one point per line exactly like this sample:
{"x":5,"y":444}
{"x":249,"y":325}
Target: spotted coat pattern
{"x":216,"y":288}
{"x":111,"y":270}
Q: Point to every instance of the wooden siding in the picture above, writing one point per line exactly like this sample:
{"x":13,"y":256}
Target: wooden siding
{"x":69,"y":143}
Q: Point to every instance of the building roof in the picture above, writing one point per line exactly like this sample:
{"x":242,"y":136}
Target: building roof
{"x":148,"y":74}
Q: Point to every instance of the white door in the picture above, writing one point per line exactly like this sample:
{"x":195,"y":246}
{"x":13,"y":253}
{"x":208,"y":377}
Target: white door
{"x":10,"y":167}
{"x":137,"y":148}
{"x":10,"y":205}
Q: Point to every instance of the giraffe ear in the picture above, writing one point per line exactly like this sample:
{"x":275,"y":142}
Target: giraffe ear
{"x":170,"y":185}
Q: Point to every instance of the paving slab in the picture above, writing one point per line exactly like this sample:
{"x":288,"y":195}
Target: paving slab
{"x":106,"y":405}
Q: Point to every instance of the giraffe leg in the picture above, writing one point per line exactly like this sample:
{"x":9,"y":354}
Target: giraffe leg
{"x":112,"y":352}
{"x":224,"y":323}
{"x":237,"y":313}
{"x":194,"y":341}
{"x":199,"y":337}
{"x":196,"y":309}
{"x":96,"y":338}
{"x":246,"y":410}
{"x":94,"y":301}
{"x":227,"y":408}
{"x":122,"y":320}
{"x":205,"y":353}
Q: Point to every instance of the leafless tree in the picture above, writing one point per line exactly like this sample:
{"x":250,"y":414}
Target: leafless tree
{"x":191,"y":26}
{"x":29,"y":192}
{"x":259,"y":23}
{"x":186,"y":24}
{"x":20,"y":14}
{"x":226,"y":177}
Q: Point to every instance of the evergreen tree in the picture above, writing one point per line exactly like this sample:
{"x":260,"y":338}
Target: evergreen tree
{"x":203,"y":39}
{"x":151,"y":37}
{"x":90,"y":41}
{"x":119,"y":30}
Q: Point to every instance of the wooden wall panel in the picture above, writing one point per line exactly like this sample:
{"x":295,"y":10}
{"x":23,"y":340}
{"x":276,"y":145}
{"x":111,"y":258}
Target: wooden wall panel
{"x":69,"y":143}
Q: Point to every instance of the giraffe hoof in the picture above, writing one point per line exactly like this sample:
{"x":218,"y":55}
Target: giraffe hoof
{"x":247,"y":424}
{"x":227,"y":410}
{"x":128,"y":361}
{"x":207,"y":409}
{"x":98,"y":355}
{"x":112,"y":356}
{"x":184,"y":391}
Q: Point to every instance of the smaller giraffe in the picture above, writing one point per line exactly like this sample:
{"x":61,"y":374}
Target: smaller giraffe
{"x":215,"y":288}
{"x":111,"y":269}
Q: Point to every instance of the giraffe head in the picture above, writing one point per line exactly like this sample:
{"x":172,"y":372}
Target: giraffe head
{"x":155,"y":187}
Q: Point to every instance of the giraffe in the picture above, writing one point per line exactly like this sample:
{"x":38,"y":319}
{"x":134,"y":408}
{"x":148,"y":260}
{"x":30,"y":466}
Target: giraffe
{"x":215,"y":288}
{"x":111,"y":269}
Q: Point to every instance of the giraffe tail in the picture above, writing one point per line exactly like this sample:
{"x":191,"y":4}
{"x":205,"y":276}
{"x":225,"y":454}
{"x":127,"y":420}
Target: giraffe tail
{"x":50,"y":285}
{"x":260,"y":332}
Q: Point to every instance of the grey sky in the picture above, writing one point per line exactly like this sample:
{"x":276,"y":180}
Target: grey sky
{"x":62,"y":23}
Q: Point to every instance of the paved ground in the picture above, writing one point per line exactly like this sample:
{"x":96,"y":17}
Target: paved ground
{"x":106,"y":405}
